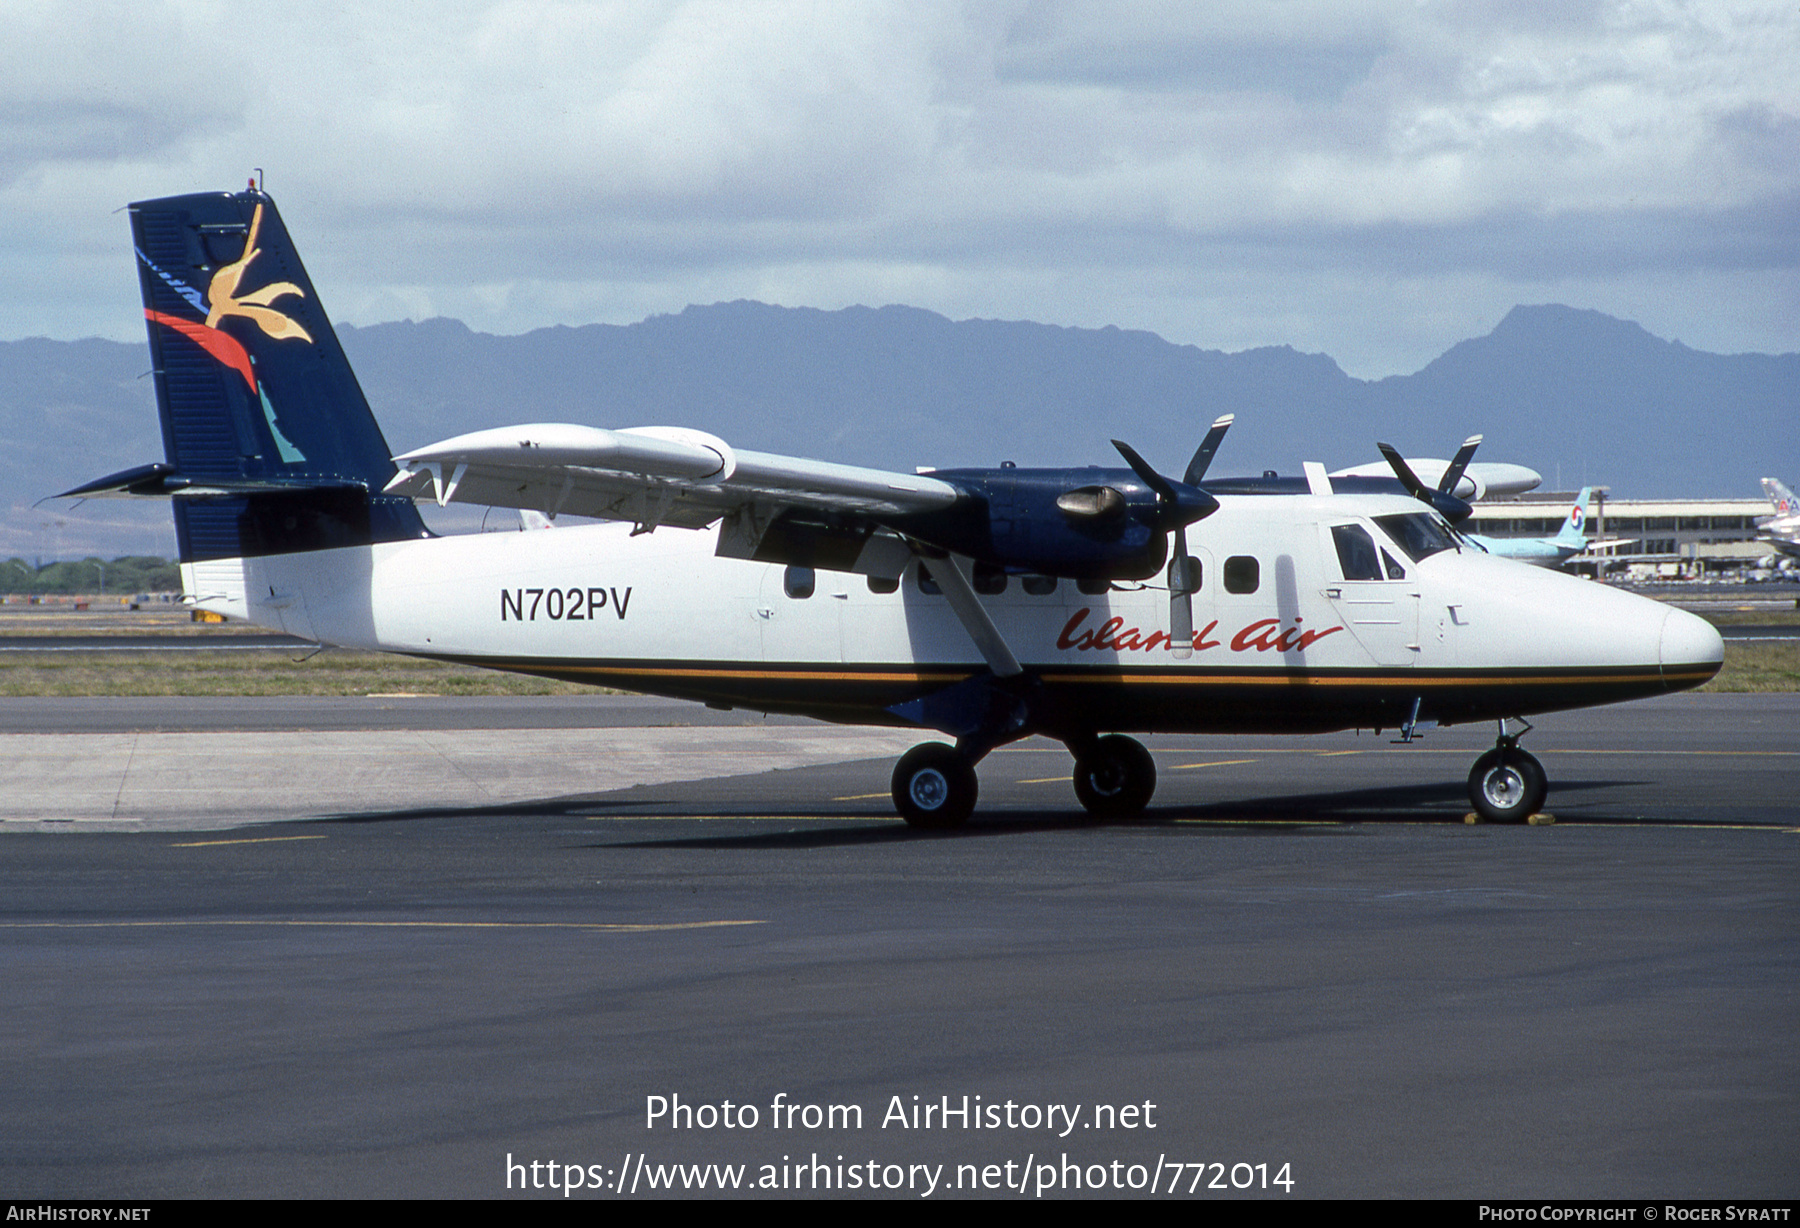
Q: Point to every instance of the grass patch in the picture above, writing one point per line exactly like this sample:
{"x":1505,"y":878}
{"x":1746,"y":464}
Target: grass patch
{"x":256,"y":672}
{"x":1758,"y":667}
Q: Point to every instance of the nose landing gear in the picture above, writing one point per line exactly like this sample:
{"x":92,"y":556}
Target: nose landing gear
{"x":1507,"y":784}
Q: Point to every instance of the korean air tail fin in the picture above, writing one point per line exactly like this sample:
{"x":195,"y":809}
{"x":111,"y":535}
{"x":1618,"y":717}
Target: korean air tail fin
{"x":1574,"y":527}
{"x":270,"y":446}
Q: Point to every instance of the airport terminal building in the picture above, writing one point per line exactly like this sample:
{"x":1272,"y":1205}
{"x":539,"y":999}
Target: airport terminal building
{"x":1690,"y":538}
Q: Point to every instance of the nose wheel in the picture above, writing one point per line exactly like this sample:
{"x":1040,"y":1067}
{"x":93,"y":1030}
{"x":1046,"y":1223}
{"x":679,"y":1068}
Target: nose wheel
{"x":1507,"y":785}
{"x":934,"y":787}
{"x":1114,"y":777}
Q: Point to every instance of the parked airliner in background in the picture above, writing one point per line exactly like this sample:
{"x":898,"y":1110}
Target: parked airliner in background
{"x":984,"y":604}
{"x":1569,"y":541}
{"x":1782,"y":530}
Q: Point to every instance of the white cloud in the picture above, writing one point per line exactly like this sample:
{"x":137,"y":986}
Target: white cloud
{"x":511,"y":161}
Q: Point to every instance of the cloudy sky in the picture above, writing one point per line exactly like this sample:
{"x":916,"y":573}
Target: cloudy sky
{"x":1375,"y":179}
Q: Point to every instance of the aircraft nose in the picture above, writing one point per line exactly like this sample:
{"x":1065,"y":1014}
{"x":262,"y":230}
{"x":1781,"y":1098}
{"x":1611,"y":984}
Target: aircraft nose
{"x":1691,"y":650}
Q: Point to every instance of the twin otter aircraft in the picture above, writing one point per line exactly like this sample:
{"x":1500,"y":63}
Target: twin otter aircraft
{"x":984,"y":604}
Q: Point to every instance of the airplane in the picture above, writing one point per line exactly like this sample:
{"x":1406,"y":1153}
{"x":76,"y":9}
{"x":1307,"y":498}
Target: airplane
{"x":985,"y":605}
{"x":1782,"y":530}
{"x":1474,"y":481}
{"x":1568,"y":542}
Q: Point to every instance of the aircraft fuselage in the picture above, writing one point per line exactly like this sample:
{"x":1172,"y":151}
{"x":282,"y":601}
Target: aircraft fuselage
{"x":1282,"y":641}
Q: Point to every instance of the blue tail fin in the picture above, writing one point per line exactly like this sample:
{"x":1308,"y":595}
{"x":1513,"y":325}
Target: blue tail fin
{"x":270,"y":444}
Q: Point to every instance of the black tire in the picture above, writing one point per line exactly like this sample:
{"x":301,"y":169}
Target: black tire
{"x":934,"y":787}
{"x":1507,"y":786}
{"x":1116,"y":779}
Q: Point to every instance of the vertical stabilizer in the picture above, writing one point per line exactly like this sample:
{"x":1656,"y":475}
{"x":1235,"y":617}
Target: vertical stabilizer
{"x":259,"y":406}
{"x":1780,"y":497}
{"x":1573,"y":534}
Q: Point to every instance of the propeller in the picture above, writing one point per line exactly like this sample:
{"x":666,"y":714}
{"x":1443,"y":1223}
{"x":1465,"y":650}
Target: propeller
{"x":1452,"y":509}
{"x":1179,"y":504}
{"x":1204,"y":453}
{"x":1458,"y":463}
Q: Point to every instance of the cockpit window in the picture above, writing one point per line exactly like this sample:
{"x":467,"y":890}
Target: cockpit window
{"x":1420,"y":534}
{"x":1356,"y":552}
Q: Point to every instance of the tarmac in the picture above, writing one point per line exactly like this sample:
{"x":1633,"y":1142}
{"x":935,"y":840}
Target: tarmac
{"x":419,"y":947}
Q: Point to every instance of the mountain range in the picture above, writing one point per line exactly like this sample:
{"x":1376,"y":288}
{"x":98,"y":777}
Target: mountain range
{"x":1582,"y":397}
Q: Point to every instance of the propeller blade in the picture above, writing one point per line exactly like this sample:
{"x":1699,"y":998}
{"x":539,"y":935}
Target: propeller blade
{"x":1449,"y":506}
{"x":1453,"y":475}
{"x":1403,"y":471}
{"x":1204,"y":453}
{"x":1178,"y":507}
{"x":1181,"y":598}
{"x":1151,"y":478}
{"x":1177,"y":503}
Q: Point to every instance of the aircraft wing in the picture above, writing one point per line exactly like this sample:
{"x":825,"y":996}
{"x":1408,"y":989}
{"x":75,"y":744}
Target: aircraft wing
{"x":650,"y":476}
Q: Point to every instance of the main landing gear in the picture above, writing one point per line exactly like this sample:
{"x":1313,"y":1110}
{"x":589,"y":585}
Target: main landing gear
{"x":935,"y":785}
{"x":1507,"y":785}
{"x":1114,"y":776}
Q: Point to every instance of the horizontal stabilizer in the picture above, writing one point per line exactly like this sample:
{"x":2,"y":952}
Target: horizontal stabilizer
{"x":148,"y":480}
{"x":160,"y":481}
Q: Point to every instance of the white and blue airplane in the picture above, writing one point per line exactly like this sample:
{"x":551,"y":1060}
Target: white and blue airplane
{"x":985,"y":605}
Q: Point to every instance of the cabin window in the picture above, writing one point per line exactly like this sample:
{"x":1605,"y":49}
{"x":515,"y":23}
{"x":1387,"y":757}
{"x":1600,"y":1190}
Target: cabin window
{"x":1094,"y":588}
{"x":1394,"y":570}
{"x":1242,"y":574}
{"x":989,"y":579}
{"x":798,"y":582}
{"x":1038,"y":586}
{"x":1356,"y":552}
{"x":884,"y":584}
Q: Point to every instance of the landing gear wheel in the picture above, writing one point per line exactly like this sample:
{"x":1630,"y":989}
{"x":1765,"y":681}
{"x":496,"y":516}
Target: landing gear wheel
{"x":934,"y":786}
{"x":1115,"y":779}
{"x":1507,"y":785}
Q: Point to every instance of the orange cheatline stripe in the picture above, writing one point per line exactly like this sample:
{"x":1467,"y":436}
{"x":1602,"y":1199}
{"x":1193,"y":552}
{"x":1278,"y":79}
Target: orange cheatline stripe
{"x":1401,"y":678}
{"x":1177,"y":678}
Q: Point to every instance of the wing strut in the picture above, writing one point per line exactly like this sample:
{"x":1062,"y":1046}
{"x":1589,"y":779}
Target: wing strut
{"x":948,"y":573}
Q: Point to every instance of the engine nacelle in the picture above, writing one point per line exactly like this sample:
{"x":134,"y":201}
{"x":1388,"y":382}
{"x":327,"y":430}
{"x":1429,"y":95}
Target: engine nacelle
{"x":1078,"y":524}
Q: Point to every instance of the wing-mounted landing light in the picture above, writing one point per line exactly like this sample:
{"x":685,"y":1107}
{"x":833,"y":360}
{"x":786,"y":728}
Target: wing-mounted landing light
{"x":1449,"y":506}
{"x":1179,"y":504}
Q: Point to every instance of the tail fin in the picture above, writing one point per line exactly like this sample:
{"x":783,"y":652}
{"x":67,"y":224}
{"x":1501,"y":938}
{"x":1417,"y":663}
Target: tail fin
{"x":1783,"y":498}
{"x":270,"y":444}
{"x":1574,"y":526}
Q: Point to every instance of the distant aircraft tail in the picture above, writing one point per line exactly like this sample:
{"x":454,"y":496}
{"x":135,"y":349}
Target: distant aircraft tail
{"x":270,"y":444}
{"x":1574,"y":527}
{"x":1784,"y":500}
